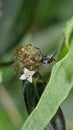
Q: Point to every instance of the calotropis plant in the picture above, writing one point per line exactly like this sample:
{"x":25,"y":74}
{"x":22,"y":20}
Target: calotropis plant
{"x":27,"y":62}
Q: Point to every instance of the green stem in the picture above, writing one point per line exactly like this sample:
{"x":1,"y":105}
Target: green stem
{"x":6,"y":64}
{"x":35,"y":87}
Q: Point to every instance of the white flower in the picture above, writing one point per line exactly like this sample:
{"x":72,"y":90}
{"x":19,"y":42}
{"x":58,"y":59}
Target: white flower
{"x":1,"y":76}
{"x":27,"y":75}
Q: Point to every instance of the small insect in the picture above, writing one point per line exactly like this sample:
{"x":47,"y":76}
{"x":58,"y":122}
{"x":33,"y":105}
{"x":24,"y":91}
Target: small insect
{"x":47,"y":59}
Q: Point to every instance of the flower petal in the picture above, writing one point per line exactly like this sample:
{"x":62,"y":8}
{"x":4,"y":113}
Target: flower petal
{"x":30,"y":79}
{"x":22,"y":77}
{"x":32,"y":73}
{"x":26,"y":70}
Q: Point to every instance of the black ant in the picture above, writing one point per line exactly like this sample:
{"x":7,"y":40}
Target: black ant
{"x":47,"y":59}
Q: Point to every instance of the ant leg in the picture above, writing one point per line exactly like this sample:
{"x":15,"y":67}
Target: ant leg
{"x":40,"y":51}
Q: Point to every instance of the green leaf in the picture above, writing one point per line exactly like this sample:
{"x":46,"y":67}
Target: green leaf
{"x":15,"y":21}
{"x":57,"y":89}
{"x":50,"y":12}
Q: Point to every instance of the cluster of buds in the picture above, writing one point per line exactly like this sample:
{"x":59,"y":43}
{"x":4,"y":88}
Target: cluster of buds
{"x":28,"y":57}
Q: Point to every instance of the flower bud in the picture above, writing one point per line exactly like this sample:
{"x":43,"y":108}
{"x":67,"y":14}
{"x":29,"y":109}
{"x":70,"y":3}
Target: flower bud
{"x":28,"y":57}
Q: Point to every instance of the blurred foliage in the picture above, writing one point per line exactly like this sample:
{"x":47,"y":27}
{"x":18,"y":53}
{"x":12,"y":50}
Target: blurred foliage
{"x":39,"y":22}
